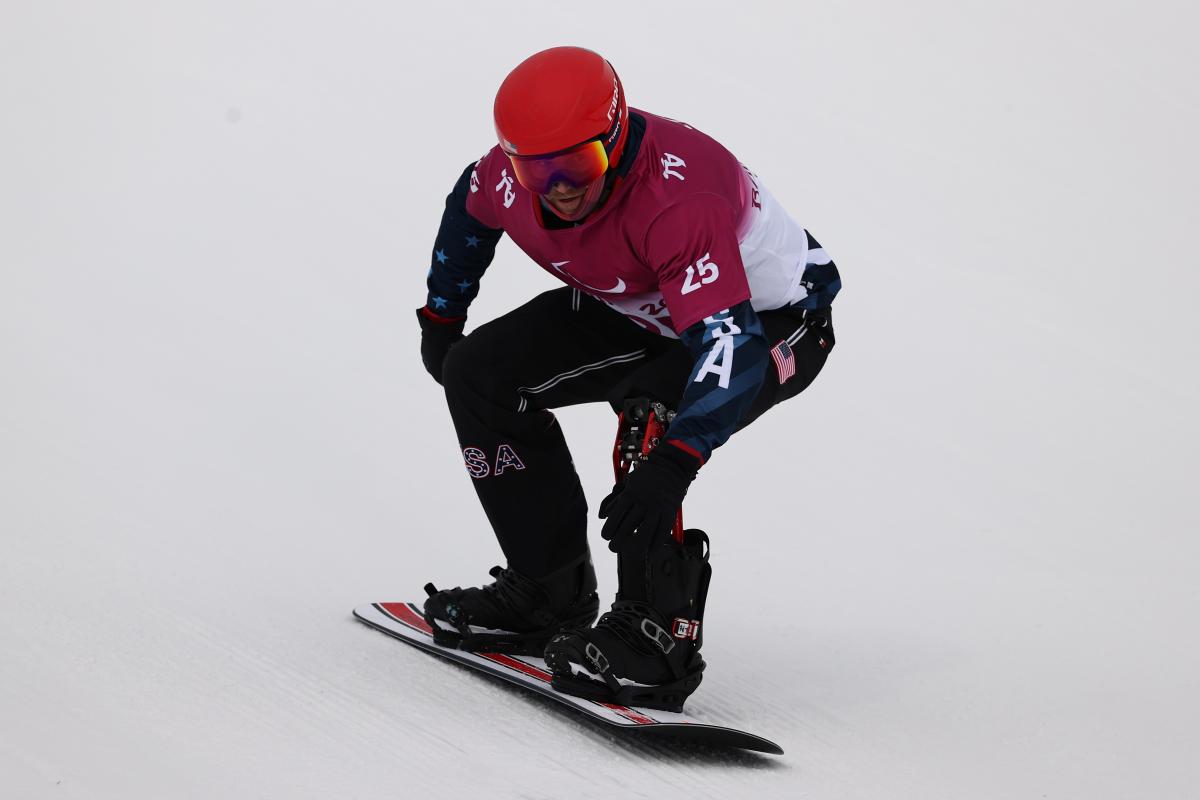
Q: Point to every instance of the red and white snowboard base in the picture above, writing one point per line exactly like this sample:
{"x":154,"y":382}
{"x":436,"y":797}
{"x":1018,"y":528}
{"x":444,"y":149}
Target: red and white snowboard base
{"x":404,"y":621}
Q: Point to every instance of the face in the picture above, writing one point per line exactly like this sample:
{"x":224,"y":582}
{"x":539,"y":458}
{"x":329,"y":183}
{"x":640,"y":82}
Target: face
{"x":565,"y":199}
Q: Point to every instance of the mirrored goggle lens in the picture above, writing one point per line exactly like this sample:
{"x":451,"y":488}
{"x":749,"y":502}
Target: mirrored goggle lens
{"x":577,"y":167}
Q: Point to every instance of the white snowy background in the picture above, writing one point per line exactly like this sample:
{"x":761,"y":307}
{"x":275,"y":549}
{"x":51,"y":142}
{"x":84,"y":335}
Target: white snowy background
{"x":963,"y":565}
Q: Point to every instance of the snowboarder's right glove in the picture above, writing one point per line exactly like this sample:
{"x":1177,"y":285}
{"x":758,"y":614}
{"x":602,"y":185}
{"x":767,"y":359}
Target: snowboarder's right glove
{"x":438,"y":335}
{"x":641,"y":510}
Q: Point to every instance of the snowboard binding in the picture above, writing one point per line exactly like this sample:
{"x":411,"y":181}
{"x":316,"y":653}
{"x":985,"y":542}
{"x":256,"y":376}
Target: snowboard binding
{"x":645,"y":651}
{"x":514,"y":614}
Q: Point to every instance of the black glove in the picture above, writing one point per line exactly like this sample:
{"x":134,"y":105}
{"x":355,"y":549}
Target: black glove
{"x":640,"y":512}
{"x":437,"y":337}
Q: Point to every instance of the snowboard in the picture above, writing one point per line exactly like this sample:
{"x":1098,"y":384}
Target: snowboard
{"x":405,"y":622}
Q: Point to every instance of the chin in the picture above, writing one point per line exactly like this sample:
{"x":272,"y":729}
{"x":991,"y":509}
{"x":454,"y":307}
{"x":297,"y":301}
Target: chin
{"x":585,"y":207}
{"x":591,"y":199}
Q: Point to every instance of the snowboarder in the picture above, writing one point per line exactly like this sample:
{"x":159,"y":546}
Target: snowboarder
{"x":687,"y":284}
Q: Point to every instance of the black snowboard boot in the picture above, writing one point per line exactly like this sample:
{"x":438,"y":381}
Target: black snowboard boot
{"x":513,"y":614}
{"x":646,"y":650}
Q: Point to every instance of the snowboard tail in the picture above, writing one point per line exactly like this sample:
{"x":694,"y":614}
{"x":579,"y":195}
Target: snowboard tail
{"x":405,"y":621}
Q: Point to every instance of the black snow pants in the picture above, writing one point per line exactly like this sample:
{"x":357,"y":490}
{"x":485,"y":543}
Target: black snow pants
{"x":559,"y":349}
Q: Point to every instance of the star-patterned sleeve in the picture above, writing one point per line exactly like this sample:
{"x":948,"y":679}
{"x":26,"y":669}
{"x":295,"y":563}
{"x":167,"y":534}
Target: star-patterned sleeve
{"x":462,"y":252}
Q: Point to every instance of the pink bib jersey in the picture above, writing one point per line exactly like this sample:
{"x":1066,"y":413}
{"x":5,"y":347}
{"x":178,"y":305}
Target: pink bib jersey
{"x":689,"y":231}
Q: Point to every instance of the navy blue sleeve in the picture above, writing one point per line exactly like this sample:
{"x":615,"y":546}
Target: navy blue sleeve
{"x":821,"y":279}
{"x":731,"y":363}
{"x":461,"y":253}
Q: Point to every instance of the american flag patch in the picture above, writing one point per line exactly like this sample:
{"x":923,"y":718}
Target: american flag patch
{"x":785,"y":361}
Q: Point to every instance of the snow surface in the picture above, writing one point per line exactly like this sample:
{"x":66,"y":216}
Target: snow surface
{"x":963,"y":565}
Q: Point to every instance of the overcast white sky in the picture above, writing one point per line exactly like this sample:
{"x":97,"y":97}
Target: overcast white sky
{"x":962,"y":565}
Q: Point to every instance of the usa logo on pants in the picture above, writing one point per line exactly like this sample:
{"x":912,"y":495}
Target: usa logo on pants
{"x":478,"y":465}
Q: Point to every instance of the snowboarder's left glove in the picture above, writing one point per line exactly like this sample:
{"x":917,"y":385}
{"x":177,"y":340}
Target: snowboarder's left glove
{"x":640,"y":512}
{"x":438,"y":335}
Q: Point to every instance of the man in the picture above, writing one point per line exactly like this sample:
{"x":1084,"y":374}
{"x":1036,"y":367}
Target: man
{"x":686,"y":283}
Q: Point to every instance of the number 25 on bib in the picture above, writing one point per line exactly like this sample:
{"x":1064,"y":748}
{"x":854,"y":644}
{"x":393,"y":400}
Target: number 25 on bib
{"x":703,"y":272}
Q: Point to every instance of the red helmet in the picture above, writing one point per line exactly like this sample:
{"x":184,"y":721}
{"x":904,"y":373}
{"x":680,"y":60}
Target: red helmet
{"x":561,"y":116}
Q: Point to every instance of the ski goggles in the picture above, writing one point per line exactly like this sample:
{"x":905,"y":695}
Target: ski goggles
{"x":577,"y":167}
